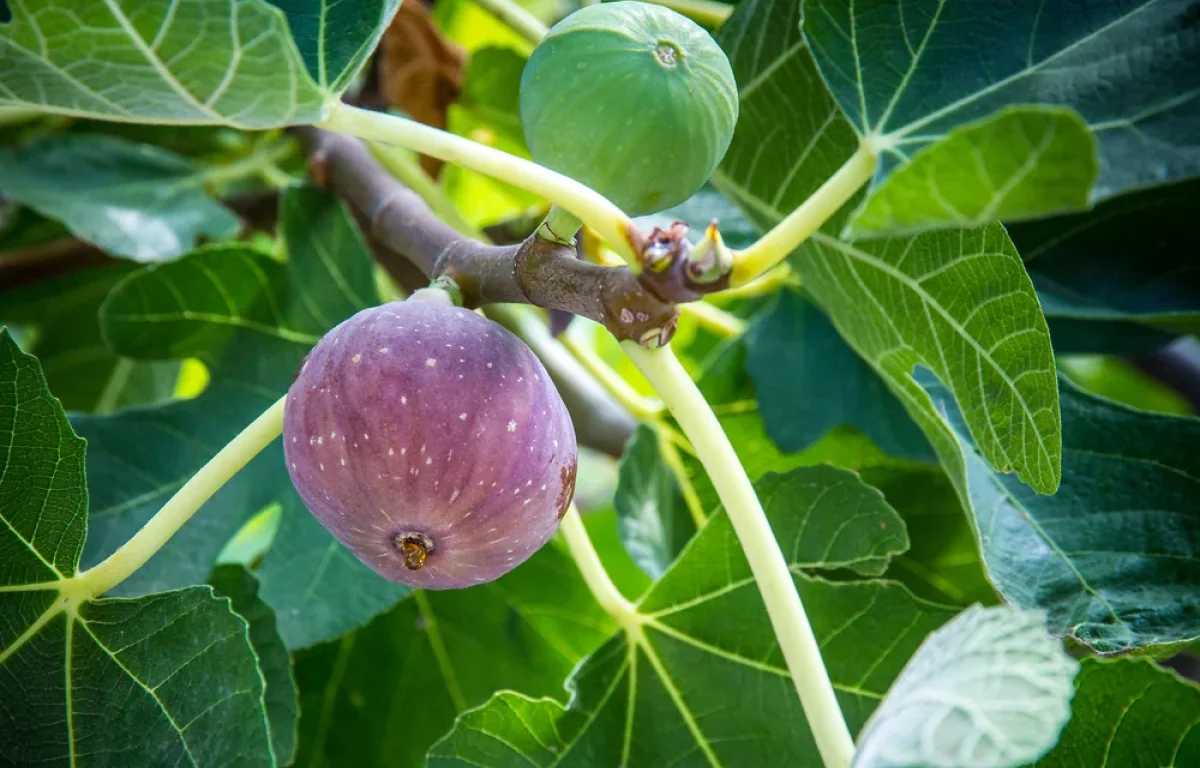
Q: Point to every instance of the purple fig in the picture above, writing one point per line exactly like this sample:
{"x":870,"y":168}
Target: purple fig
{"x":431,"y":442}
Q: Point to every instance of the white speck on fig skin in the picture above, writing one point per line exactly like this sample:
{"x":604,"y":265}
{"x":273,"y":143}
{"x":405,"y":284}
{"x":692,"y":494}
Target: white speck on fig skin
{"x":409,"y":404}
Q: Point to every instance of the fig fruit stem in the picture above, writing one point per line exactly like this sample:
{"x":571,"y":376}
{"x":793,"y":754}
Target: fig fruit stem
{"x":767,"y":563}
{"x":585,"y":203}
{"x":559,"y":226}
{"x":642,"y":408}
{"x":714,"y":319}
{"x":786,"y":236}
{"x":595,"y":576}
{"x":134,"y":553}
{"x":516,"y":18}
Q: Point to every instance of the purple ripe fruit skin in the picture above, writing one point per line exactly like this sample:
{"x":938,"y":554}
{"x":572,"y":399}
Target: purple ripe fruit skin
{"x":431,"y":442}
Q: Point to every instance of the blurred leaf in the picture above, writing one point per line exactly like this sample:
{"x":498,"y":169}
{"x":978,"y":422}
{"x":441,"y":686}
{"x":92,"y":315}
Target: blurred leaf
{"x":470,"y":26}
{"x":24,"y":228}
{"x":808,"y":381}
{"x":279,"y":696}
{"x":1132,"y":258}
{"x":252,"y":320}
{"x":701,"y":208}
{"x":1018,"y":163}
{"x":384,"y":693}
{"x":253,"y":539}
{"x":492,"y":87}
{"x":958,"y":302}
{"x":132,"y":200}
{"x":1112,"y":557}
{"x":1104,"y":337}
{"x":990,"y":689}
{"x":1127,"y":713}
{"x":83,"y":373}
{"x":1118,"y":380}
{"x":702,"y":680}
{"x":1122,"y":66}
{"x":652,"y":516}
{"x":488,"y":112}
{"x":178,"y":666}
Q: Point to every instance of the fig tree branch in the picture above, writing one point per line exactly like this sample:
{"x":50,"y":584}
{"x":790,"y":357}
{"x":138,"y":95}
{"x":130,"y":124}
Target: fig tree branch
{"x":406,"y":231}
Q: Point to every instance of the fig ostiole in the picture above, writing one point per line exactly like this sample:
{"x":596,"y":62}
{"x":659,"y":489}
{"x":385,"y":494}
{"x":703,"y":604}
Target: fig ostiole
{"x":632,"y":99}
{"x":431,"y":442}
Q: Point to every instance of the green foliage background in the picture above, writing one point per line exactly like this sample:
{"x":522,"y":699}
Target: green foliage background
{"x":934,"y":408}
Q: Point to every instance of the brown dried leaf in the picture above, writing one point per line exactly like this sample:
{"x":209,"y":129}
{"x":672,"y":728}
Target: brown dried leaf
{"x":420,"y":71}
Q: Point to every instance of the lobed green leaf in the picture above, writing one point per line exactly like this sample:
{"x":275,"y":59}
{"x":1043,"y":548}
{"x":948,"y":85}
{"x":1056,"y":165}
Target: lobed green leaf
{"x":163,"y":679}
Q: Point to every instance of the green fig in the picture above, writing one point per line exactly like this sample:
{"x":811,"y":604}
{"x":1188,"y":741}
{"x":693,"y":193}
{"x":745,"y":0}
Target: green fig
{"x":632,"y":99}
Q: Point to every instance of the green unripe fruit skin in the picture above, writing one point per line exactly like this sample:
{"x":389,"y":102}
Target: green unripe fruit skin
{"x":632,"y":99}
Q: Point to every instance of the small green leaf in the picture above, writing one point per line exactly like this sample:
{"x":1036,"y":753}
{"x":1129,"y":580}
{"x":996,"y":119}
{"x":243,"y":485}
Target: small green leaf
{"x":908,"y":74}
{"x":1129,"y":712}
{"x":195,"y":306}
{"x":809,"y":381}
{"x":80,"y":370}
{"x":702,"y":678}
{"x":163,"y":61}
{"x":132,"y":200}
{"x":492,"y":87}
{"x":1112,"y":557}
{"x":865,"y":538}
{"x":177,"y":665}
{"x":988,"y":690}
{"x":279,"y":698}
{"x":652,"y":516}
{"x":1018,"y":163}
{"x":383,"y":694}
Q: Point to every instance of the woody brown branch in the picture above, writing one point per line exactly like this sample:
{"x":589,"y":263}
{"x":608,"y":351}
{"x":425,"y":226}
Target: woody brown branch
{"x":406,"y":233}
